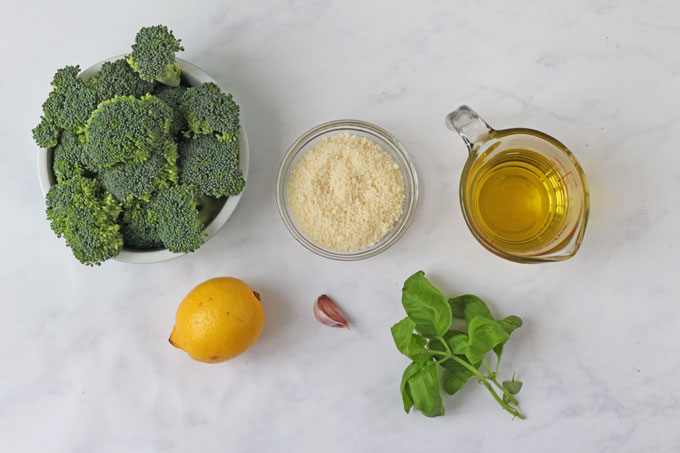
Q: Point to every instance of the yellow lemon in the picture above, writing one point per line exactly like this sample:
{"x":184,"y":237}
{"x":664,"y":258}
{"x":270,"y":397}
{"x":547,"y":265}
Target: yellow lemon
{"x":218,"y":320}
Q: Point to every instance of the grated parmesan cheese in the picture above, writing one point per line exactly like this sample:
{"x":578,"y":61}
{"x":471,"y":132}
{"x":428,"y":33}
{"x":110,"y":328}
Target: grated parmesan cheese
{"x":345,"y":193}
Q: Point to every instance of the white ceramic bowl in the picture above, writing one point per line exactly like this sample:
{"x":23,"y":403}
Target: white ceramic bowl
{"x":194,"y":76}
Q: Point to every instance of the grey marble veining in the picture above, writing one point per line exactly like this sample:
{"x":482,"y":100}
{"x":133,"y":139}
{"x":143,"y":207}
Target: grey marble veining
{"x":86,"y":365}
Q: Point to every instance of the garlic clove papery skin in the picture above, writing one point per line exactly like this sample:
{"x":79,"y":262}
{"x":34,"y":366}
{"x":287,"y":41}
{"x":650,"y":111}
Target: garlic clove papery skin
{"x":327,"y":313}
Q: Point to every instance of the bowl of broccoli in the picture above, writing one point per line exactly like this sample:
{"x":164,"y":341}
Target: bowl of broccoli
{"x":143,"y":157}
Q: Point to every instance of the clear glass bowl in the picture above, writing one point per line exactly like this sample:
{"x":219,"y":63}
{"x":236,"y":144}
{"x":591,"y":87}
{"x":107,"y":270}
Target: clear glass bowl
{"x":389,"y":144}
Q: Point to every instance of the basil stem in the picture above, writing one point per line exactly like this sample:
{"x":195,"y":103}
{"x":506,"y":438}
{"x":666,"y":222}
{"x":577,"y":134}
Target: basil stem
{"x":483,"y":379}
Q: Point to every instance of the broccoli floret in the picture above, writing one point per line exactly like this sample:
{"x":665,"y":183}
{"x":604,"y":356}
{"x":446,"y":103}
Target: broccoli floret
{"x":178,"y":224}
{"x":127,"y":129}
{"x":209,"y":110}
{"x":171,"y":96}
{"x":137,"y":180}
{"x":83,"y":213}
{"x":139,"y":227}
{"x":65,"y":166}
{"x":68,"y":106}
{"x":153,"y":55}
{"x":46,"y":134}
{"x":119,"y":79}
{"x":70,"y":158}
{"x":211,"y":166}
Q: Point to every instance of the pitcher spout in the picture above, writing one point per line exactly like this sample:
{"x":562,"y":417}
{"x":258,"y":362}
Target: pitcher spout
{"x":469,"y":125}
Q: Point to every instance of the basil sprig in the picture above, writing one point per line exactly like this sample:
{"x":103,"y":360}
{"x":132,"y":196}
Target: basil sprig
{"x":446,"y":358}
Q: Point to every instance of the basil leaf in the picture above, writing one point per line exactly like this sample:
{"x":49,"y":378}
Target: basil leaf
{"x":468,"y":306}
{"x":509,"y":324}
{"x":458,"y":304}
{"x":457,"y":341}
{"x":416,"y":349}
{"x":455,"y":376}
{"x":484,"y":334}
{"x":423,"y":389}
{"x":426,"y":306}
{"x":401,"y":333}
{"x":409,"y":372}
{"x":412,"y":345}
{"x":513,"y":386}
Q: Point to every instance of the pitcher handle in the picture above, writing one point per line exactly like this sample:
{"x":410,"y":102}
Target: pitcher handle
{"x":470,"y":126}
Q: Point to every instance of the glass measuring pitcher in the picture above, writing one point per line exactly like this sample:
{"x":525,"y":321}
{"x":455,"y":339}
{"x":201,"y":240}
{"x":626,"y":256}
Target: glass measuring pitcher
{"x":523,"y":193}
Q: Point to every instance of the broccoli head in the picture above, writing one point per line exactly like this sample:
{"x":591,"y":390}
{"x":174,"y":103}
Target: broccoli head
{"x":209,"y":110}
{"x":127,"y":129}
{"x":139,"y":227}
{"x":83,"y":213}
{"x":46,"y":134}
{"x":68,"y":106}
{"x":131,"y":181}
{"x":153,"y":55}
{"x":176,"y":214}
{"x":212,"y":166}
{"x":119,"y":79}
{"x":69,"y":158}
{"x":171,"y":96}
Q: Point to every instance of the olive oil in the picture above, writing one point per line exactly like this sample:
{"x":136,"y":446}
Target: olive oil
{"x":517,"y":199}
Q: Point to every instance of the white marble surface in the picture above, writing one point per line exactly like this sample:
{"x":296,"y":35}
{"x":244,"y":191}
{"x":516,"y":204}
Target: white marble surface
{"x":86,"y":365}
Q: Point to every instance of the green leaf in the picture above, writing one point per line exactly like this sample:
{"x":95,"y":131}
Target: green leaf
{"x":423,"y":388}
{"x":484,"y":334}
{"x":416,"y":348}
{"x":509,"y":324}
{"x":426,"y":306}
{"x":468,"y":307}
{"x":456,"y":375}
{"x":457,"y":341}
{"x":458,"y":304}
{"x":409,"y":372}
{"x":513,"y":386}
{"x":401,"y":333}
{"x":408,"y":343}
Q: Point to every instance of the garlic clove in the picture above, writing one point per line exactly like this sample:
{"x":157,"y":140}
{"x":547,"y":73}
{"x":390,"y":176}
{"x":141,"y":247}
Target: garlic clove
{"x":327,"y":313}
